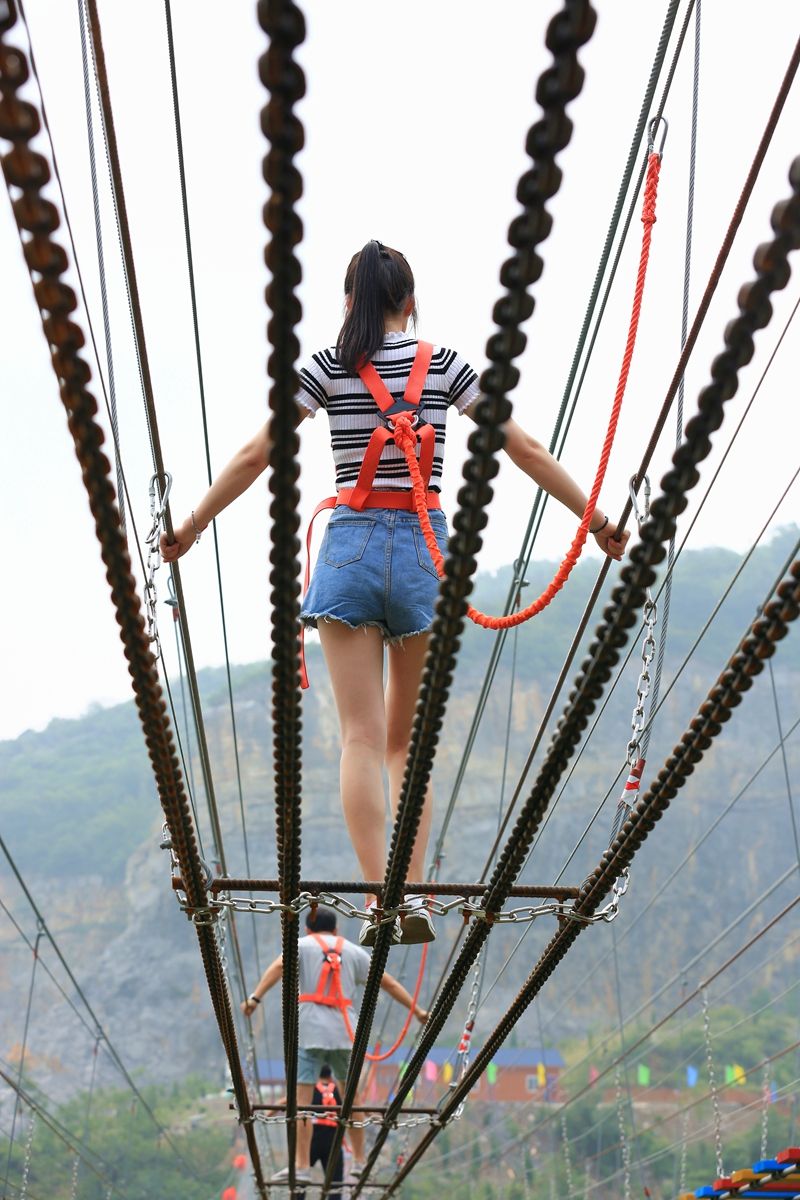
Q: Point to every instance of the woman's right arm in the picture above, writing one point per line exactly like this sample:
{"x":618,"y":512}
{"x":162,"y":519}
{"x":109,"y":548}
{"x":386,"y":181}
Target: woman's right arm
{"x":234,"y":479}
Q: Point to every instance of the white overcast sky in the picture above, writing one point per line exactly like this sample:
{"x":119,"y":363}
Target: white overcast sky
{"x":415,"y":123}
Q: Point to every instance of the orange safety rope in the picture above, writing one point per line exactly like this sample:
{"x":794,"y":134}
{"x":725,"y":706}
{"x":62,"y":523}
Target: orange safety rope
{"x":405,"y":438}
{"x":377,"y":1056}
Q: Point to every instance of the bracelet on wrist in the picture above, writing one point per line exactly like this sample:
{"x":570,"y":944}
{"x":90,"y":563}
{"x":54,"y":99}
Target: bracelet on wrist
{"x":599,"y":529}
{"x":254,"y":999}
{"x":198,"y":533}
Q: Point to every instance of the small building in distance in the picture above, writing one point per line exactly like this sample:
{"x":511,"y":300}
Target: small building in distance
{"x":515,"y":1074}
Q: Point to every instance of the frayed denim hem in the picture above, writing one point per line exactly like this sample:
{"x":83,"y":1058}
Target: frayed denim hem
{"x":310,"y":620}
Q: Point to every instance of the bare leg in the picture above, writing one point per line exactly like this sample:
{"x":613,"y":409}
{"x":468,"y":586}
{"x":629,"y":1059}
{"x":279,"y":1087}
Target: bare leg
{"x":355,"y":665}
{"x":405,"y":671}
{"x":357,"y":1136}
{"x":305,"y":1094}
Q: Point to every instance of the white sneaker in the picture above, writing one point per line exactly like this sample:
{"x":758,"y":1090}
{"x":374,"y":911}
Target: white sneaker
{"x":417,"y":926}
{"x":301,"y":1175}
{"x":369,"y":928}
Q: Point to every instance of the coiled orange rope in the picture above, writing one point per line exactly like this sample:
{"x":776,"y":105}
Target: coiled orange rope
{"x":405,"y":438}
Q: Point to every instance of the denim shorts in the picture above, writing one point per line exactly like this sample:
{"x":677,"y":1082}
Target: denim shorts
{"x":374,"y":569}
{"x":310,"y":1062}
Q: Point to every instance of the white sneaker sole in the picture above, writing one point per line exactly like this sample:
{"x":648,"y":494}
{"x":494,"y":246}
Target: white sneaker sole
{"x":417,"y":928}
{"x":369,"y":932}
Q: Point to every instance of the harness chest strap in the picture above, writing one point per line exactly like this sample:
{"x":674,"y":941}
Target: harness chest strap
{"x":363,"y":495}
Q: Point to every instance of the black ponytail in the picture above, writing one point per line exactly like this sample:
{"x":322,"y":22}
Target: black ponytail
{"x":379,"y":281}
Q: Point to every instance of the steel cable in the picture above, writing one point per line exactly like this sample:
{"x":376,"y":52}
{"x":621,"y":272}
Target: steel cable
{"x":540,"y":499}
{"x":559,"y":84}
{"x":37,"y":219}
{"x":772,"y":273}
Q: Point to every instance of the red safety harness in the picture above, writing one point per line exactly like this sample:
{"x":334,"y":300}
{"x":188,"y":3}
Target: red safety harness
{"x":328,"y":1093}
{"x":329,"y":984}
{"x":363,"y":495}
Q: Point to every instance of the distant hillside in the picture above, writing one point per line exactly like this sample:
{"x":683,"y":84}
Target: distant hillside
{"x":81,"y":816}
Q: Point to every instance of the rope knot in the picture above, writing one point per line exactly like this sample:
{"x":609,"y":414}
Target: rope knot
{"x":405,"y":435}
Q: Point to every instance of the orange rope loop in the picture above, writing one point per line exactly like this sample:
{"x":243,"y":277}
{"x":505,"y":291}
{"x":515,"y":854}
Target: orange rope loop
{"x":405,"y":439}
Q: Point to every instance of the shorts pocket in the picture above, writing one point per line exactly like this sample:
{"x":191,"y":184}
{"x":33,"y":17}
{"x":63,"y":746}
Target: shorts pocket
{"x":345,"y":542}
{"x":424,"y":554}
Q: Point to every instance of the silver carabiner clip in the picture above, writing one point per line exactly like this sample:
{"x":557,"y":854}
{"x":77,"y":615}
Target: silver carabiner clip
{"x":157,"y":514}
{"x":652,"y":130}
{"x":641,"y":515}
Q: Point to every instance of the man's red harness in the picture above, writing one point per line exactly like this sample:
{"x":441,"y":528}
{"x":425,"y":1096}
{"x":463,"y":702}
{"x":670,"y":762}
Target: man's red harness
{"x":329,"y":984}
{"x":328,"y":1093}
{"x":363,"y":495}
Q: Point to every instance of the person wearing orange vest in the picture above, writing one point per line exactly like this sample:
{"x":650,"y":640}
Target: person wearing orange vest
{"x":375,"y":584}
{"x":327,"y":1096}
{"x":331,"y":969}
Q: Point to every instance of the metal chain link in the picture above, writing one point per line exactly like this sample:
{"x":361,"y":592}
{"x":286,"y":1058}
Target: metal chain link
{"x":713,"y":1086}
{"x":466,"y":908}
{"x":623,"y":1140}
{"x":650,"y":617}
{"x":73,"y":1192}
{"x":349,"y":1122}
{"x":684,"y":1147}
{"x":565,"y":1144}
{"x":766,"y":1096}
{"x":158,"y":507}
{"x":26,"y":1166}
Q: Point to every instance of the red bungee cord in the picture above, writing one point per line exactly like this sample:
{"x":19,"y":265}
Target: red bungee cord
{"x":405,"y":438}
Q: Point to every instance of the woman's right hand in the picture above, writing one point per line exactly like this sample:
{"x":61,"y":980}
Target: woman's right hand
{"x":185,"y":537}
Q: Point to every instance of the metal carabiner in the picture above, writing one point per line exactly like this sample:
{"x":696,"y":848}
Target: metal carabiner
{"x":641,"y":516}
{"x":157,"y":514}
{"x":652,"y":130}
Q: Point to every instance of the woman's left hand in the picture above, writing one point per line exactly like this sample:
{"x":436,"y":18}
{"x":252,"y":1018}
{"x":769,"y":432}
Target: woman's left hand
{"x":610,"y":543}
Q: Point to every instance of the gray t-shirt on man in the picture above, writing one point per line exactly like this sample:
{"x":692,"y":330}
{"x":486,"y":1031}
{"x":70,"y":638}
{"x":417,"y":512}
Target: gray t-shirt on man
{"x":322,"y":1027}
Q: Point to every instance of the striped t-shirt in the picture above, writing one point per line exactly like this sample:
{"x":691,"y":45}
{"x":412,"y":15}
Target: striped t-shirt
{"x":353,"y":414}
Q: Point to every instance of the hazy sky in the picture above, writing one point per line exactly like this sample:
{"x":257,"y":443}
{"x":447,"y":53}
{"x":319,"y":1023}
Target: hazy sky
{"x":415,"y":124}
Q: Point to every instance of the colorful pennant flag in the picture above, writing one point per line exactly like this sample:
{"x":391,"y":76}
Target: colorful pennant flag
{"x":739,"y":1075}
{"x":491,"y":1074}
{"x":447,"y":1072}
{"x":593,"y":1074}
{"x":643,"y":1075}
{"x":730,"y":1074}
{"x":541,"y":1075}
{"x":430,"y":1070}
{"x":692,"y":1076}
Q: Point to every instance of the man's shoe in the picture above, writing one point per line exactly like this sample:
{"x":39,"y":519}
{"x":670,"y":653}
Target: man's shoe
{"x":369,"y":929}
{"x":357,"y":1170}
{"x":301,"y":1175}
{"x":416,"y":925}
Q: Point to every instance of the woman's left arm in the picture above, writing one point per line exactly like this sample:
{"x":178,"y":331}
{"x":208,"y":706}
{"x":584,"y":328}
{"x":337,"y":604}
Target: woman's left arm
{"x":540,"y":466}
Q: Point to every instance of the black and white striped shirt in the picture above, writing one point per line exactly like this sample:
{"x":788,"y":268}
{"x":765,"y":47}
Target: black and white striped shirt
{"x":353,"y":414}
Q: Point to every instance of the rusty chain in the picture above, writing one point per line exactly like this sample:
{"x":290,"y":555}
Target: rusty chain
{"x":282,"y":22}
{"x":560,"y":83}
{"x":26,"y":173}
{"x":772,"y":274}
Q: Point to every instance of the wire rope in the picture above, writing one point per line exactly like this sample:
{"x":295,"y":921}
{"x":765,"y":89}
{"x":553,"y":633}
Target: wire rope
{"x":540,"y":499}
{"x":687,"y":274}
{"x":695,"y":517}
{"x":700,"y":315}
{"x":55,"y":1126}
{"x":42,"y":924}
{"x":23,"y":1048}
{"x":685,"y":1000}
